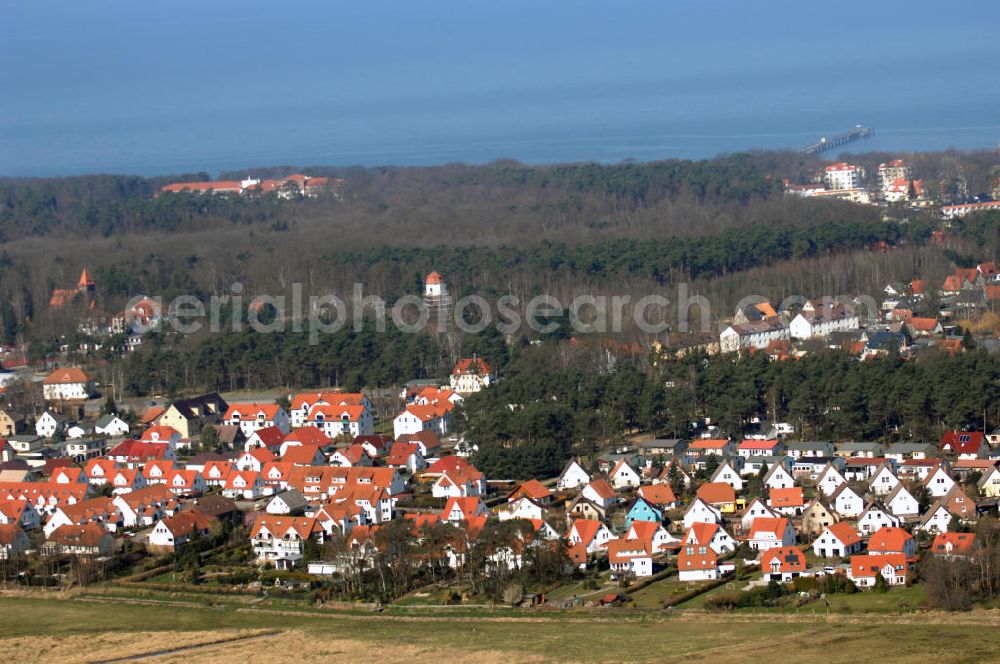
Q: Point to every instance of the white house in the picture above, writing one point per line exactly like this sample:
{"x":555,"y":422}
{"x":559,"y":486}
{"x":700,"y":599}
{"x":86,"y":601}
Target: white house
{"x":727,"y":474}
{"x":697,"y":563}
{"x":632,"y":557}
{"x":700,"y":512}
{"x":70,"y":384}
{"x":573,"y":476}
{"x":756,"y":508}
{"x":49,"y":424}
{"x":252,"y":416}
{"x":823,"y":317}
{"x":754,"y":334}
{"x":768,"y":533}
{"x":599,"y":492}
{"x":938,"y":482}
{"x":459,"y":483}
{"x":470,"y":375}
{"x":416,"y":418}
{"x":711,"y":535}
{"x":838,"y":541}
{"x":623,"y":476}
{"x":243,"y":484}
{"x":521,"y":508}
{"x":287,"y":502}
{"x":901,"y":502}
{"x":777,"y":477}
{"x":592,"y":534}
{"x":280,"y":540}
{"x":341,"y":420}
{"x":865,"y":570}
{"x":936,"y":519}
{"x":111,"y":425}
{"x":830,"y":479}
{"x":884,"y":481}
{"x":892,"y":539}
{"x":874,"y":518}
{"x":841,"y":176}
{"x":846,"y":502}
{"x":653,"y":532}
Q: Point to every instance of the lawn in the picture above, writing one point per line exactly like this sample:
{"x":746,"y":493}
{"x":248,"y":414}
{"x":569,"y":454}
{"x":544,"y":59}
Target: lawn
{"x":588,"y":636}
{"x":897,"y":599}
{"x":653,"y":595}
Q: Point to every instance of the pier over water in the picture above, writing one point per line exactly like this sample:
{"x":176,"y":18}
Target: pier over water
{"x":828,"y":143}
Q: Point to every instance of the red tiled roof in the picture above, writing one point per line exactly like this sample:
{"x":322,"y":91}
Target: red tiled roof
{"x":888,"y":539}
{"x":658,"y":494}
{"x":306,"y":436}
{"x":532,"y":489}
{"x":471,"y":365}
{"x":715,"y":493}
{"x":962,"y":442}
{"x":708,"y":444}
{"x":844,"y":532}
{"x":767,"y":524}
{"x":751,"y":444}
{"x":697,"y":561}
{"x":872,"y":565}
{"x":245,"y":410}
{"x":66,"y":376}
{"x":701,"y":533}
{"x":603,"y":489}
{"x":586,"y":529}
{"x":270,"y":436}
{"x":953,"y":543}
{"x":621,"y":551}
{"x":791,"y":559}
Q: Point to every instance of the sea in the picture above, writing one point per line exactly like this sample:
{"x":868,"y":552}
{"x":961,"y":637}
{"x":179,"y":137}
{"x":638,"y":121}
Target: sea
{"x":160,"y":88}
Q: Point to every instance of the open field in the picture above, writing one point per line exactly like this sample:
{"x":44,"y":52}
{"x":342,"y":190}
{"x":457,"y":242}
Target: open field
{"x":79,"y":630}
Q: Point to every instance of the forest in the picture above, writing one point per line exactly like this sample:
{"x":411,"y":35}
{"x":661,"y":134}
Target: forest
{"x":548,"y":407}
{"x":492,"y":229}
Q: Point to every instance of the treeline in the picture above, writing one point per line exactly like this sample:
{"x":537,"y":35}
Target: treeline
{"x":695,"y":257}
{"x":109,"y":204}
{"x":542,"y":413}
{"x":253,"y":360}
{"x":728,"y":179}
{"x":250,"y":360}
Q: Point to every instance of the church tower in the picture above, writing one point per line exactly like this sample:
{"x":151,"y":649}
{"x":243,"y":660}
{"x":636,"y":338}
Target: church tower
{"x":86,"y":284}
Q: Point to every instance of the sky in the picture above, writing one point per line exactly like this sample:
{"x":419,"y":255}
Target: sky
{"x":156,"y":88}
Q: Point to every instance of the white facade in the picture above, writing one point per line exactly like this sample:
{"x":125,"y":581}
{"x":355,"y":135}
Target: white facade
{"x":763,"y":540}
{"x":752,"y":335}
{"x":65,"y":391}
{"x":624,"y":476}
{"x":828,"y":545}
{"x":467,"y":383}
{"x":408,"y":422}
{"x":807,"y":327}
{"x":573,"y":476}
{"x":874,"y":519}
{"x":47,"y":425}
{"x":847,"y":503}
{"x":701,"y":512}
{"x":116,"y":427}
{"x":726,"y":474}
{"x":939,"y":483}
{"x":842,"y":176}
